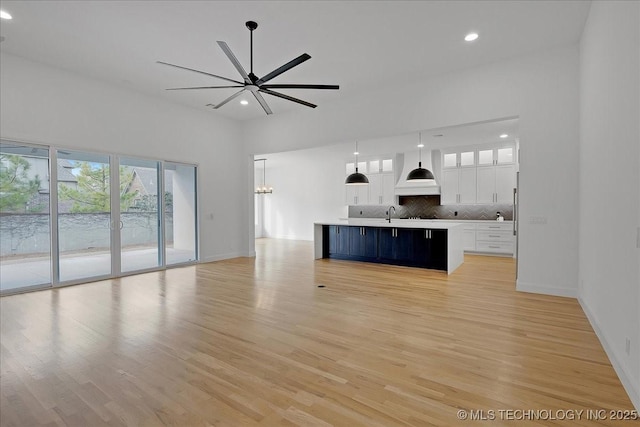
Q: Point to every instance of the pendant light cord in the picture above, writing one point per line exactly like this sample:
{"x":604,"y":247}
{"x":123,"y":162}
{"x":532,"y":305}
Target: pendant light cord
{"x":419,"y":149}
{"x":356,"y":153}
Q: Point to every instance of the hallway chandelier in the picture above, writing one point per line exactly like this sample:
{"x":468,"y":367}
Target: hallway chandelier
{"x":264,"y":189}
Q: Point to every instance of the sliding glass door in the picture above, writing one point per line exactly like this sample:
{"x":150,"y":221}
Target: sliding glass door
{"x":70,"y":216}
{"x":25,"y":248}
{"x":180,"y":209}
{"x":140,"y":233}
{"x":84,"y":215}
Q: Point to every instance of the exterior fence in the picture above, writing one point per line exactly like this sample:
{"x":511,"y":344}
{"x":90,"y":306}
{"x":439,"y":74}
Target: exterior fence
{"x":28,"y":234}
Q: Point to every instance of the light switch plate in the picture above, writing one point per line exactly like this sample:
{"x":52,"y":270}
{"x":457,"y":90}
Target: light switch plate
{"x":538,"y":220}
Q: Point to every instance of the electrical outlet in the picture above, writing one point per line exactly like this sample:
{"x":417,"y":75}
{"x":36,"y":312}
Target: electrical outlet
{"x":627,"y":346}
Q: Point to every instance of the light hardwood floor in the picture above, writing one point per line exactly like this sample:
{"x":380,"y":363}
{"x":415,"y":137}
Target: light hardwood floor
{"x":257,"y":342}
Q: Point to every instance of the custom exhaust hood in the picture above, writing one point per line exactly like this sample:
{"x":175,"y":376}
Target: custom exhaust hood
{"x":406,"y":163}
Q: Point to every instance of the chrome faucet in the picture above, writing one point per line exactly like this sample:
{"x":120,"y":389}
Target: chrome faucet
{"x":389,"y":213}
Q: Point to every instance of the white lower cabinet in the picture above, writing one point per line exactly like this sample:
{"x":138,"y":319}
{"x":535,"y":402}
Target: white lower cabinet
{"x":469,"y":237}
{"x":495,"y":238}
{"x":489,"y":237}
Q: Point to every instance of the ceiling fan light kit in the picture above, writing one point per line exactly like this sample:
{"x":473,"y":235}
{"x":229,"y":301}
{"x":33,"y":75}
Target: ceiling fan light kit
{"x":252,"y":83}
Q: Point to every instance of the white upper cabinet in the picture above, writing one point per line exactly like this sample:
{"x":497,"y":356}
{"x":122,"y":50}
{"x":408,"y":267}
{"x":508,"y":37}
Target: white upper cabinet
{"x":504,"y":155}
{"x":380,"y":191}
{"x":496,"y":184}
{"x":458,"y":159}
{"x":458,"y":186}
{"x":351,"y":168}
{"x":356,"y":194}
{"x":481,"y":174}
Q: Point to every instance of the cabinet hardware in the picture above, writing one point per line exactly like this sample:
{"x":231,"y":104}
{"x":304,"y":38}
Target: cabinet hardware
{"x":380,"y":200}
{"x":515,"y":208}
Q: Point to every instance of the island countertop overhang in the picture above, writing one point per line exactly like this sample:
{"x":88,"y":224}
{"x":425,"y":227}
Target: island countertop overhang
{"x":395,"y":223}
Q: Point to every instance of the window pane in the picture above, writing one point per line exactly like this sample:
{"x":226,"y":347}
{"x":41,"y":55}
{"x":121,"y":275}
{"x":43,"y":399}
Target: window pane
{"x":467,"y":158}
{"x":25,"y":254}
{"x":450,"y":160}
{"x":84,"y":215}
{"x":180,"y":213}
{"x":374,"y":166}
{"x":350,"y":168}
{"x":140,"y":226}
{"x":485,"y":157}
{"x":387,"y":165}
{"x":505,"y":155}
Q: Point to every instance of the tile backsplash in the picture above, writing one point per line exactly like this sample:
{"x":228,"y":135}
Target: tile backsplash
{"x":429,"y":207}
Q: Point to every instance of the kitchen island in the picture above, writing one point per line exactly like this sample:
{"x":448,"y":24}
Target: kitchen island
{"x":414,"y":243}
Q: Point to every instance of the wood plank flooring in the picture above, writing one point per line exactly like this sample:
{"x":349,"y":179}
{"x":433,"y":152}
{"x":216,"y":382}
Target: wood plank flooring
{"x":256,"y":342}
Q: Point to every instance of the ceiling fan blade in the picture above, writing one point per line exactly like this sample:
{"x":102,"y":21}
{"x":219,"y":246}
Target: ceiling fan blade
{"x":289,"y":65}
{"x":235,"y":62}
{"x":262,"y":102}
{"x":198,"y":71}
{"x":203,"y":87}
{"x":215,"y":107}
{"x":288,"y":98}
{"x":300,"y":86}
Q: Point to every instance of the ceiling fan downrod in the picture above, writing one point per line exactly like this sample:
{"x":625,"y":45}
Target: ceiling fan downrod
{"x":251,"y":25}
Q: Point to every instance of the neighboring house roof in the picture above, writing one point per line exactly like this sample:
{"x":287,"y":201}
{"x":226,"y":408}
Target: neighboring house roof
{"x":148,"y":179}
{"x":65,"y":174}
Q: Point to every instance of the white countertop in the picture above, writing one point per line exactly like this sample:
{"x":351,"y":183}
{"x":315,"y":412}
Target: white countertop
{"x":395,"y":223}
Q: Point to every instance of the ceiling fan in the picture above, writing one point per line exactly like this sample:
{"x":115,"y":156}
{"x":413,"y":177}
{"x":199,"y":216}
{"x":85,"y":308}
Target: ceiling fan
{"x":251,"y":82}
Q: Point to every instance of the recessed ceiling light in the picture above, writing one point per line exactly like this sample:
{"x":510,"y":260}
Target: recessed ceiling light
{"x":5,"y":15}
{"x":355,"y":153}
{"x":244,"y":102}
{"x":420,"y":145}
{"x":471,"y":37}
{"x":504,"y":135}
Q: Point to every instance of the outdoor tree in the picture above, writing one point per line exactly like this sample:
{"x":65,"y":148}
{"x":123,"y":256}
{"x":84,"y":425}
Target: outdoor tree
{"x":92,"y":192}
{"x":16,"y":189}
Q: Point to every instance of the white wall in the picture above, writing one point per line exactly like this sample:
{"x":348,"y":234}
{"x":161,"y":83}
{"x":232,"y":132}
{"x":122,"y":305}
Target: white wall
{"x":610,"y":182}
{"x":541,"y":89}
{"x":46,"y":105}
{"x":308,"y":187}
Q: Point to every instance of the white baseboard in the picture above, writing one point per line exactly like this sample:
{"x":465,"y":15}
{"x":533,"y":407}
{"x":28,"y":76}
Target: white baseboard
{"x":227,"y":256}
{"x":289,"y":237}
{"x":537,"y":288}
{"x":631,"y":387}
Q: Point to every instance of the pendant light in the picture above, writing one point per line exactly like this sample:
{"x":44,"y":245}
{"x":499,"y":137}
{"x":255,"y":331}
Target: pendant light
{"x":420,"y":174}
{"x":264,"y":189}
{"x":356,"y":178}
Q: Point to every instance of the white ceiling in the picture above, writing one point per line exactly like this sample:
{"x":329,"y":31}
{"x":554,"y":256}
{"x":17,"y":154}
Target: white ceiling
{"x":359,"y":45}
